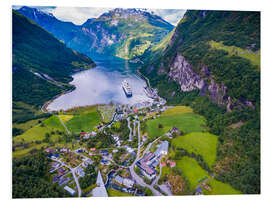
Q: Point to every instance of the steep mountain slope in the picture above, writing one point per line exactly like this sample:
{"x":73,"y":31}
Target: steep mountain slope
{"x":41,"y":64}
{"x":212,"y":63}
{"x":126,"y":33}
{"x":193,"y":63}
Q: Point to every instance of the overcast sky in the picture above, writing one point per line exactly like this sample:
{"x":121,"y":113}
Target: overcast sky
{"x":78,"y":15}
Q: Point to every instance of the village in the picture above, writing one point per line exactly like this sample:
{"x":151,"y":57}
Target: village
{"x":131,"y":166}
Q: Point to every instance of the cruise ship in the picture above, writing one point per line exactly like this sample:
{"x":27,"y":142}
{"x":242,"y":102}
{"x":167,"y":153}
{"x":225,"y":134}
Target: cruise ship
{"x":127,"y":88}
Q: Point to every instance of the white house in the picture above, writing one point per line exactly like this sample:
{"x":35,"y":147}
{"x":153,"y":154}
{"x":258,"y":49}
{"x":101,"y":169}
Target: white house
{"x":70,"y":190}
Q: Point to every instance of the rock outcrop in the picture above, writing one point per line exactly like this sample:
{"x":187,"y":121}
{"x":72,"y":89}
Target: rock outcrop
{"x":182,"y":73}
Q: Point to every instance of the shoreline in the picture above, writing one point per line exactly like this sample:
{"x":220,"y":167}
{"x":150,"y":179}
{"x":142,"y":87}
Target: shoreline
{"x":144,"y":78}
{"x":45,"y":109}
{"x":45,"y":106}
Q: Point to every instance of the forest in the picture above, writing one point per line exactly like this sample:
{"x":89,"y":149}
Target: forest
{"x":30,"y":178}
{"x":238,"y":156}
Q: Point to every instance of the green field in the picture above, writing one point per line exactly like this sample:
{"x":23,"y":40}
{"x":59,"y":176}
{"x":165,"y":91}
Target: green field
{"x":219,"y":188}
{"x":65,"y":118}
{"x":54,"y":123}
{"x":177,"y":110}
{"x":27,"y":125}
{"x":254,"y":57}
{"x":193,"y":172}
{"x":85,"y":122}
{"x":116,"y":193}
{"x":204,"y":144}
{"x":38,"y":133}
{"x":187,"y":122}
{"x":107,"y":112}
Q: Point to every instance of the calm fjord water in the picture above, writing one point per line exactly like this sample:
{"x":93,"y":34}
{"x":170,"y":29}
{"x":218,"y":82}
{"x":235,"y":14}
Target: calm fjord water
{"x":102,"y":85}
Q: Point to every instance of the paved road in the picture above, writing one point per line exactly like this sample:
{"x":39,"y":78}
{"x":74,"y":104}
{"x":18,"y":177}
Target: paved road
{"x":63,"y":124}
{"x":130,"y":130}
{"x":74,"y":175}
{"x":136,"y":177}
{"x":158,"y":177}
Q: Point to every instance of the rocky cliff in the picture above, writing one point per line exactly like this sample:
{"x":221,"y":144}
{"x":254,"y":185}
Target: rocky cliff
{"x":193,"y":64}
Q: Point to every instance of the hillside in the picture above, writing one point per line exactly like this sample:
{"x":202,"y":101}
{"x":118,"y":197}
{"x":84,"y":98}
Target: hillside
{"x":125,"y":33}
{"x":41,"y":65}
{"x":212,"y":63}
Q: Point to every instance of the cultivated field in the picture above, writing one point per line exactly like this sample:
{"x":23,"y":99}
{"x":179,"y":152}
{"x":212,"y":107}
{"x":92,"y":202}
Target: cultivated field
{"x":187,"y":122}
{"x":83,"y":122}
{"x":193,"y":172}
{"x":204,"y":144}
{"x":107,"y":112}
{"x":177,"y":110}
{"x":254,"y":57}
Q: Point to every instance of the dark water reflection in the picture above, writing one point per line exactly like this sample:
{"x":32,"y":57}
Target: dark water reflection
{"x":102,"y":85}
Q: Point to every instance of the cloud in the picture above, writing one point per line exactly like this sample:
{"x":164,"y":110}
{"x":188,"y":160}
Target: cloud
{"x":173,"y":16}
{"x":78,"y":15}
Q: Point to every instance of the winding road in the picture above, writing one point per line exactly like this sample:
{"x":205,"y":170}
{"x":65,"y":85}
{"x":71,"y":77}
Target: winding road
{"x":74,"y":175}
{"x":130,"y":130}
{"x":135,"y":176}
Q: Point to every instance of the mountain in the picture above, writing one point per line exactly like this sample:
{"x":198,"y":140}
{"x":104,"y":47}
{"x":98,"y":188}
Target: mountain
{"x":211,"y":62}
{"x":125,"y":33}
{"x":205,"y":51}
{"x":41,"y":64}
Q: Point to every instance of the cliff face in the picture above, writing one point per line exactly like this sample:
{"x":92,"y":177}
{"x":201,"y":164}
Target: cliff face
{"x":191,"y":62}
{"x":182,"y":73}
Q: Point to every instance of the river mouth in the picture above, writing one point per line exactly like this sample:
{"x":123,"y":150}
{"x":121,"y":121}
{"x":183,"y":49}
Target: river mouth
{"x":103,"y":85}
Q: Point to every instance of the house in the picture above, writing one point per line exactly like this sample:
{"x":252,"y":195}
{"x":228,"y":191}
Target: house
{"x":93,"y":133}
{"x":87,"y":162}
{"x":70,"y":190}
{"x":171,"y":163}
{"x":80,"y":151}
{"x":198,"y":191}
{"x":129,"y":149}
{"x":128,"y":182}
{"x":84,"y":134}
{"x":119,"y":179}
{"x":163,"y":164}
{"x":49,"y":150}
{"x":104,"y":162}
{"x":80,"y":172}
{"x":145,"y":165}
{"x":104,"y":152}
{"x":144,"y":138}
{"x":124,"y":181}
{"x":61,"y":171}
{"x":175,"y":130}
{"x":54,"y":156}
{"x":162,"y":149}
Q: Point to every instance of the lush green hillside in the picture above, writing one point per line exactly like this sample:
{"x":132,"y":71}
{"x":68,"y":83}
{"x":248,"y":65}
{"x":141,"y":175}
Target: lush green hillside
{"x":222,"y":47}
{"x":37,"y":50}
{"x":30,"y":179}
{"x":126,"y":33}
{"x":192,"y":39}
{"x":41,"y":67}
